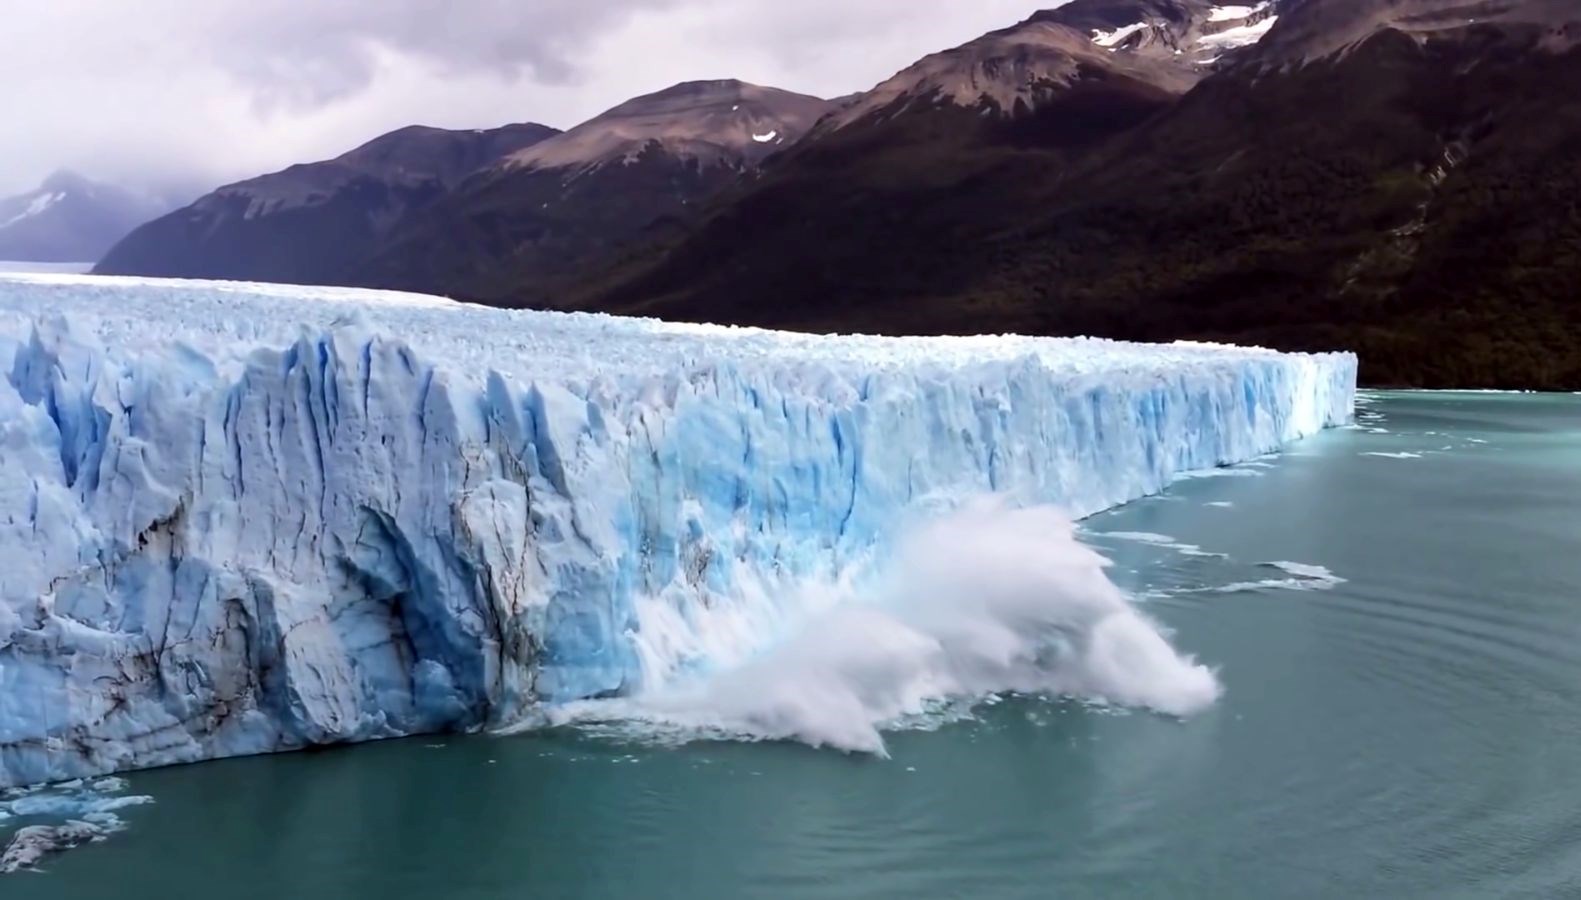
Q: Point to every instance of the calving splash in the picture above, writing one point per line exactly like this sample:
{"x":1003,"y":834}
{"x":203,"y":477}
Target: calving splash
{"x":979,"y":601}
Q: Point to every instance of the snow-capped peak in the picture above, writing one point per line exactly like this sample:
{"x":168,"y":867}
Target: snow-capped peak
{"x":39,"y":204}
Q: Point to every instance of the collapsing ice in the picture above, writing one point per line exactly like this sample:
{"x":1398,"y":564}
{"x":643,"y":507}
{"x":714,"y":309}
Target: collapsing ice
{"x":982,"y":600}
{"x":242,"y":518}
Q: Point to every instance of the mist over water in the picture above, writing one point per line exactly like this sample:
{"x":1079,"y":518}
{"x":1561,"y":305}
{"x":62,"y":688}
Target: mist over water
{"x":985,"y":600}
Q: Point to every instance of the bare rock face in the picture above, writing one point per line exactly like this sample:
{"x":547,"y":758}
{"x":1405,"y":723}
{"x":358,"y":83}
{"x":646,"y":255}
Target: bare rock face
{"x":313,"y":222}
{"x":478,"y":213}
{"x":1168,"y":44}
{"x":1391,"y":176}
{"x":541,"y":219}
{"x":413,"y":157}
{"x":1316,"y":29}
{"x":710,"y":122}
{"x":1009,"y":71}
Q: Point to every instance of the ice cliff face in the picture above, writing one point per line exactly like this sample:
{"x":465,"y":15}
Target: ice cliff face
{"x":243,"y":518}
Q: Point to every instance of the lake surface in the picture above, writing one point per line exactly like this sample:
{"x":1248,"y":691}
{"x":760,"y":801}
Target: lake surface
{"x":1401,"y":718}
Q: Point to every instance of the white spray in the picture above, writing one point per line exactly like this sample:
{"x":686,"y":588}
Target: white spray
{"x":983,"y":600}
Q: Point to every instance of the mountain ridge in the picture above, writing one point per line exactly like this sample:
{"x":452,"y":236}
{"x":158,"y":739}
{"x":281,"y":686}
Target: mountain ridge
{"x":1297,"y":173}
{"x":305,"y":222}
{"x":1306,"y":193}
{"x":523,"y":230}
{"x":69,"y":218}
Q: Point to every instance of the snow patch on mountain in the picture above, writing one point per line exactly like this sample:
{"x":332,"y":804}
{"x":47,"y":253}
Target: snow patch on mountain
{"x":1232,"y":13}
{"x":38,"y":205}
{"x":1240,"y":36}
{"x":1113,"y":38}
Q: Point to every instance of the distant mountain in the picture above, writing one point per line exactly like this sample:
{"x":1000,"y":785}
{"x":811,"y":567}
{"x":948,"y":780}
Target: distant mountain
{"x":1397,"y":177}
{"x":315,"y":222}
{"x":538,"y":219}
{"x":69,"y":219}
{"x":503,"y":216}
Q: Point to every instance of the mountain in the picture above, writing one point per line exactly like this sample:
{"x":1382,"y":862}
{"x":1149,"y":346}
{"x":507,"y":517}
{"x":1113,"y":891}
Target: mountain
{"x":1198,"y":32}
{"x":888,"y":191}
{"x":69,"y":219}
{"x":538,"y":219}
{"x":1396,"y":177}
{"x":315,"y":222}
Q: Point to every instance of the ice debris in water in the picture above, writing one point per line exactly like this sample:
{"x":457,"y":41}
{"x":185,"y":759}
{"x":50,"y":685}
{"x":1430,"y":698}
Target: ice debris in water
{"x":79,"y":812}
{"x":245,"y":518}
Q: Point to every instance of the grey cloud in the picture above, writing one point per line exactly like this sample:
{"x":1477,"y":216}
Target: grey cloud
{"x":304,"y":55}
{"x":183,"y":92}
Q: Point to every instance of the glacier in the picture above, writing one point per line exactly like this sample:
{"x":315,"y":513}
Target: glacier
{"x":241,"y":518}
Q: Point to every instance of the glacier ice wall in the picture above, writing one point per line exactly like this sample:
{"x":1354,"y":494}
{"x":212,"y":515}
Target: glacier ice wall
{"x":241,"y":518}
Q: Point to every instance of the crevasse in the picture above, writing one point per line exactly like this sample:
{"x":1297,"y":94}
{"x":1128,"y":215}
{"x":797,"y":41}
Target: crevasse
{"x":243,"y":518}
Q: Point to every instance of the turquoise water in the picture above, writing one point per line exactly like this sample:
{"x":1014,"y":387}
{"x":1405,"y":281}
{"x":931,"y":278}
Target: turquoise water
{"x":1413,"y":730}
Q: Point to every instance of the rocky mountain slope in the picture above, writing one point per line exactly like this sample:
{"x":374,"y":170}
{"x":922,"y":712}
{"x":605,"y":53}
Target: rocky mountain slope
{"x":314,"y":222}
{"x":888,"y":193}
{"x":521,"y":230}
{"x":1397,"y":178}
{"x":70,"y":219}
{"x":509,"y":215}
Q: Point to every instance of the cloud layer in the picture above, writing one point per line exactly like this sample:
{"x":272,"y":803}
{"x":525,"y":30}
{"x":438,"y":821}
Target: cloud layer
{"x":187,"y":93}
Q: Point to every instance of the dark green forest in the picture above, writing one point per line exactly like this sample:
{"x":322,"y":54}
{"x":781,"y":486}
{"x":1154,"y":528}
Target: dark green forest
{"x":1417,"y":203}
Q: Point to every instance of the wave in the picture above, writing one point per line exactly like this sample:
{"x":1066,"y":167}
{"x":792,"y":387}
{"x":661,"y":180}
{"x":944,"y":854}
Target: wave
{"x":1163,"y":541}
{"x":1302,"y":577}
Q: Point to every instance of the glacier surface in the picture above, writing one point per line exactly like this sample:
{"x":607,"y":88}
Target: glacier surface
{"x":240,"y":518}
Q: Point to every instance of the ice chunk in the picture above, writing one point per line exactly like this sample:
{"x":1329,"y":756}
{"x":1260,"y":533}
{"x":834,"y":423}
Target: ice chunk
{"x":75,"y":813}
{"x":238,"y":518}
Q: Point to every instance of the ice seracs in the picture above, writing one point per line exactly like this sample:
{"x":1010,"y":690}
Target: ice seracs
{"x":239,"y":518}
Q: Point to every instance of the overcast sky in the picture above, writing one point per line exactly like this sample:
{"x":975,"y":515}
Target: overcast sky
{"x":199,"y":92}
